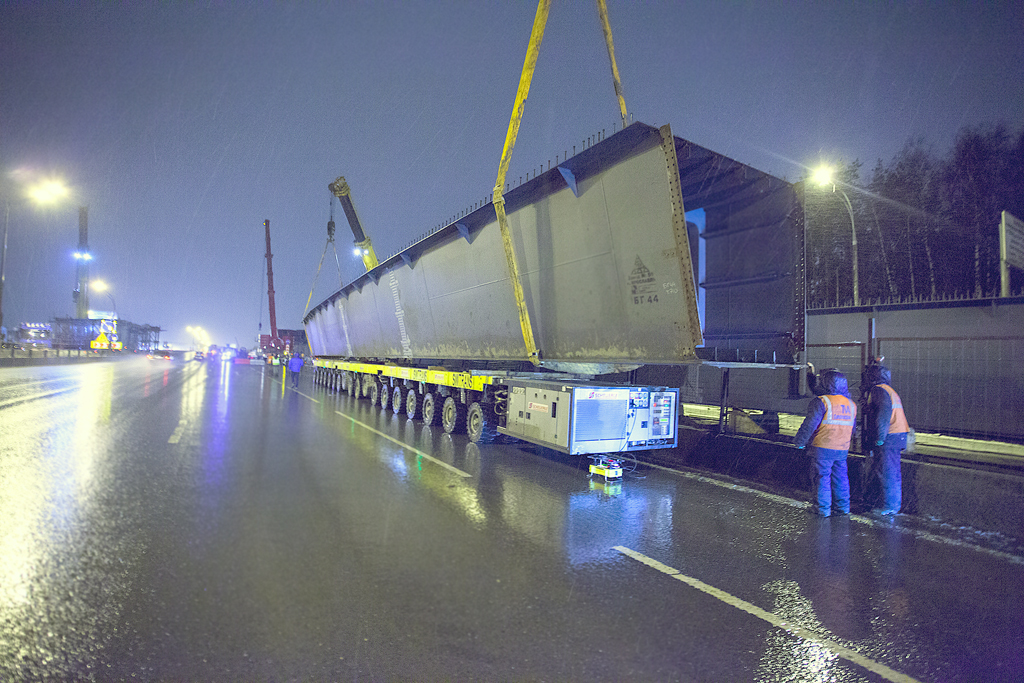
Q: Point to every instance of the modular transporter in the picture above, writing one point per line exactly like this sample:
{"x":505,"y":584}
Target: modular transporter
{"x":609,"y":294}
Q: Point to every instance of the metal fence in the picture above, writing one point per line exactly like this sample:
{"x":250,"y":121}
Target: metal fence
{"x":972,"y":387}
{"x":965,"y":387}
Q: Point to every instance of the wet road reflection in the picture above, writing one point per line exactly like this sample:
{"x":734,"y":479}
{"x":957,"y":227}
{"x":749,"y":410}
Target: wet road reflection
{"x":198,"y":521}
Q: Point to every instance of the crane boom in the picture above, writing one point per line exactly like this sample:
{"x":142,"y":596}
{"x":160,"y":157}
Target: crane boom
{"x":270,"y":285}
{"x":340,"y":189}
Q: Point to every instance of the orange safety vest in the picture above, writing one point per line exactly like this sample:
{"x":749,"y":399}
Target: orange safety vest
{"x":836,"y":429}
{"x":898,"y":421}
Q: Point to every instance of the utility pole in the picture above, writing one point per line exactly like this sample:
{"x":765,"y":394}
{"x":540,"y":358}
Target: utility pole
{"x":3,"y":259}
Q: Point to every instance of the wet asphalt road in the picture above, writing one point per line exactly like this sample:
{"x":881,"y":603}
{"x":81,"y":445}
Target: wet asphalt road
{"x":202,"y":522}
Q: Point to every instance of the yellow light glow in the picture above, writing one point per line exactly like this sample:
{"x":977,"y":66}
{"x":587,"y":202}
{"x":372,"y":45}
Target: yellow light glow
{"x":823,"y":175}
{"x":199,"y":336}
{"x":48,"y":191}
{"x":99,"y":285}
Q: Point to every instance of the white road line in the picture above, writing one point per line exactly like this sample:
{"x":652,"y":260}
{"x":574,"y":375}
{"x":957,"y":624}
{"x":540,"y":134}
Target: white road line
{"x":406,"y":446}
{"x":305,"y":396}
{"x":34,"y":397}
{"x":844,"y":652}
{"x":917,"y":533}
{"x":296,"y":390}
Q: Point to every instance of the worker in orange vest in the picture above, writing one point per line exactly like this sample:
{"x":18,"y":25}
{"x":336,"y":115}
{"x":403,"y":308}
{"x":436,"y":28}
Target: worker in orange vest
{"x":828,"y":428}
{"x":885,"y":433}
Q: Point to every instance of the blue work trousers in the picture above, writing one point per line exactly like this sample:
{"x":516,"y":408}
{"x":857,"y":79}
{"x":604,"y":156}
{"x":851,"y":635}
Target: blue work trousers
{"x":829,"y":481}
{"x":884,"y":472}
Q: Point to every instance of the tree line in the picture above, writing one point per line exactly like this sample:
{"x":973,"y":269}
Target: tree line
{"x":927,"y":226}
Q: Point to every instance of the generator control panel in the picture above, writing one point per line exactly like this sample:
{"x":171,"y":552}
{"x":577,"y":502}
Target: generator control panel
{"x":584,"y":419}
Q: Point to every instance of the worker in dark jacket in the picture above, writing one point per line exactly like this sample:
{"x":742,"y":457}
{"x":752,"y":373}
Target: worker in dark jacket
{"x":828,"y":428}
{"x":295,"y":368}
{"x":885,"y":433}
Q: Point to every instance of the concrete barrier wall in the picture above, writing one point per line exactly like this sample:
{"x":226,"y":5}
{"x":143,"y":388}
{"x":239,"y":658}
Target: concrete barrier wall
{"x":955,"y":365}
{"x":986,"y":501}
{"x":24,"y":361}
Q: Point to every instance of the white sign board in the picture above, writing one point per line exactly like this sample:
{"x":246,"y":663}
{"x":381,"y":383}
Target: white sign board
{"x":1011,"y":240}
{"x":1011,"y":248}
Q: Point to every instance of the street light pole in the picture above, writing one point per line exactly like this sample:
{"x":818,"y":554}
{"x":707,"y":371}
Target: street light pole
{"x":853,"y":232}
{"x":823,"y":176}
{"x":102,"y":286}
{"x":44,"y":192}
{"x":3,"y":258}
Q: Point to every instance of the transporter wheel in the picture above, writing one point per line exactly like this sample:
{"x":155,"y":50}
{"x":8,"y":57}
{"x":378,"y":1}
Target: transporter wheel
{"x":481,"y":423}
{"x":397,"y":404}
{"x":372,"y":390}
{"x":453,"y":416}
{"x":430,"y":410}
{"x":413,"y":405}
{"x":385,"y":397}
{"x":353,"y":386}
{"x":343,"y":382}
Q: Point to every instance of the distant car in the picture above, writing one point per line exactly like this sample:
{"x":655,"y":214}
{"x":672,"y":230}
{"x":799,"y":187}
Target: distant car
{"x":159,"y":355}
{"x":199,"y":356}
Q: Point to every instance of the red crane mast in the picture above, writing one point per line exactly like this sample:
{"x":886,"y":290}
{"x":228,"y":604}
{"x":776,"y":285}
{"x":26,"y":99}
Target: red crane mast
{"x":270,"y":287}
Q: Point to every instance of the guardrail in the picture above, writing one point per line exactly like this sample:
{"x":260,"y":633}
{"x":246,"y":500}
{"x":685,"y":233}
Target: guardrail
{"x":18,"y":356}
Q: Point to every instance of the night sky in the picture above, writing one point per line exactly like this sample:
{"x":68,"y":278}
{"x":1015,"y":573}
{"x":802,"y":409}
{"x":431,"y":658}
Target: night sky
{"x":183,"y":126}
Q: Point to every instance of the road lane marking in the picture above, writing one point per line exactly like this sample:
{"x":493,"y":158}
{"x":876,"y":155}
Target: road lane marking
{"x":295,"y":390}
{"x":35,"y":397}
{"x":406,"y":446}
{"x":305,"y":395}
{"x":878,"y":524}
{"x":791,"y":628}
{"x":178,"y":431}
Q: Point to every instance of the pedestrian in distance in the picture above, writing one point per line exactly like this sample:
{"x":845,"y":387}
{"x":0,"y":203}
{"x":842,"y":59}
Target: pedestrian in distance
{"x":885,"y":433}
{"x":295,"y":368}
{"x":828,"y":429}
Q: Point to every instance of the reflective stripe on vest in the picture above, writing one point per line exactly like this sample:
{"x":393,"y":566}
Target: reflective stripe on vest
{"x":836,"y":428}
{"x":898,"y":421}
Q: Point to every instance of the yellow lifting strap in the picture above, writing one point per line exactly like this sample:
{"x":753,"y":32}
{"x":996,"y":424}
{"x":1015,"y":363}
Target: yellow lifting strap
{"x":529,"y":64}
{"x":316,"y":277}
{"x":539,"y":22}
{"x":602,"y":9}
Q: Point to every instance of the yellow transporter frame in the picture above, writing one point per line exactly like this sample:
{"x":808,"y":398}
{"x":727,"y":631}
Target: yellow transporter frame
{"x":466,"y":400}
{"x":438,"y":376}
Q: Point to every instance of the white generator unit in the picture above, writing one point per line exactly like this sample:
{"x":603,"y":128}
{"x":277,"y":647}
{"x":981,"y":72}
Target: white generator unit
{"x":581,"y":419}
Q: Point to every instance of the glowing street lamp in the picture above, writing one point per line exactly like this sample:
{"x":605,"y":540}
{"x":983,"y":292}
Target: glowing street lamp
{"x":43,"y":192}
{"x":48,"y":191}
{"x":199,"y":337}
{"x":823,"y":176}
{"x":101,"y":286}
